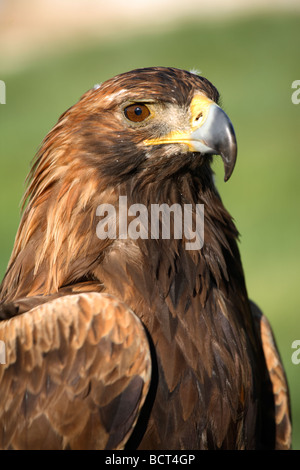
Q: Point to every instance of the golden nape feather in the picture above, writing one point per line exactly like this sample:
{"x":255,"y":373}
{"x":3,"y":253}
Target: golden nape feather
{"x":124,"y":311}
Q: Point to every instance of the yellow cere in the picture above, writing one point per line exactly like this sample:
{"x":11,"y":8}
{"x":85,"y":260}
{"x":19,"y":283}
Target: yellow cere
{"x":199,"y":110}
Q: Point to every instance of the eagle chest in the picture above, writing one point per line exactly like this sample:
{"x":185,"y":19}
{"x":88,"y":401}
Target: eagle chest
{"x":201,"y":370}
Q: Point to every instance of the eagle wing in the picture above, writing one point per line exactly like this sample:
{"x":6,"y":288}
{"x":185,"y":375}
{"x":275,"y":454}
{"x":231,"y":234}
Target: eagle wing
{"x":283,"y":427}
{"x":76,"y":374}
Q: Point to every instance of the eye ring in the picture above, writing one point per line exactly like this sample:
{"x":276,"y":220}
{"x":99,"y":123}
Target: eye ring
{"x":137,"y":112}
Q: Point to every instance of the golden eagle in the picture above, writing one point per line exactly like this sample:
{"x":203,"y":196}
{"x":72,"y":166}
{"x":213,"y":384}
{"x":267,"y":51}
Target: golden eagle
{"x":135,"y":341}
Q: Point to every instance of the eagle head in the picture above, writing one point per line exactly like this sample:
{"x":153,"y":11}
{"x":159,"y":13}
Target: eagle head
{"x":153,"y":121}
{"x":147,"y":128}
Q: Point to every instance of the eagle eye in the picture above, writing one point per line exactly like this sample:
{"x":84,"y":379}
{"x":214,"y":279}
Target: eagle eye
{"x":136,"y":112}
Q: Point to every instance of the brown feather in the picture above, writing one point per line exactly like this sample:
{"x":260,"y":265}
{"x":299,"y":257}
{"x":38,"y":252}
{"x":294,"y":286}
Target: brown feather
{"x":80,"y":357}
{"x":283,"y":424}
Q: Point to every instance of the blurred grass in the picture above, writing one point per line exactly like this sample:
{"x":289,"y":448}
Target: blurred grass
{"x":253,"y":62}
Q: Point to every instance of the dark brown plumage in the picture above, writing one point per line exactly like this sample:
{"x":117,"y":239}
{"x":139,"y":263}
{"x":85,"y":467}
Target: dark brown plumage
{"x":81,"y":361}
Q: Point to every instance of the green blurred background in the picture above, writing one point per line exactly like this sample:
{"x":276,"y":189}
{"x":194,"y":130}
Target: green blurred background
{"x":253,"y":59}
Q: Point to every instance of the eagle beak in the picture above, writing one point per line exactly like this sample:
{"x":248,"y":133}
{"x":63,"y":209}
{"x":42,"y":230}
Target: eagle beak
{"x":209,"y":132}
{"x":215,"y":135}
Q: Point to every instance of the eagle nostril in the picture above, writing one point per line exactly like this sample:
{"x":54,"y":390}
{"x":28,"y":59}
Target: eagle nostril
{"x":199,"y":117}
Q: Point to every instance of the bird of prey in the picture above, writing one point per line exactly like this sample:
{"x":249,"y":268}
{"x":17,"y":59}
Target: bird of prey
{"x":135,"y":339}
